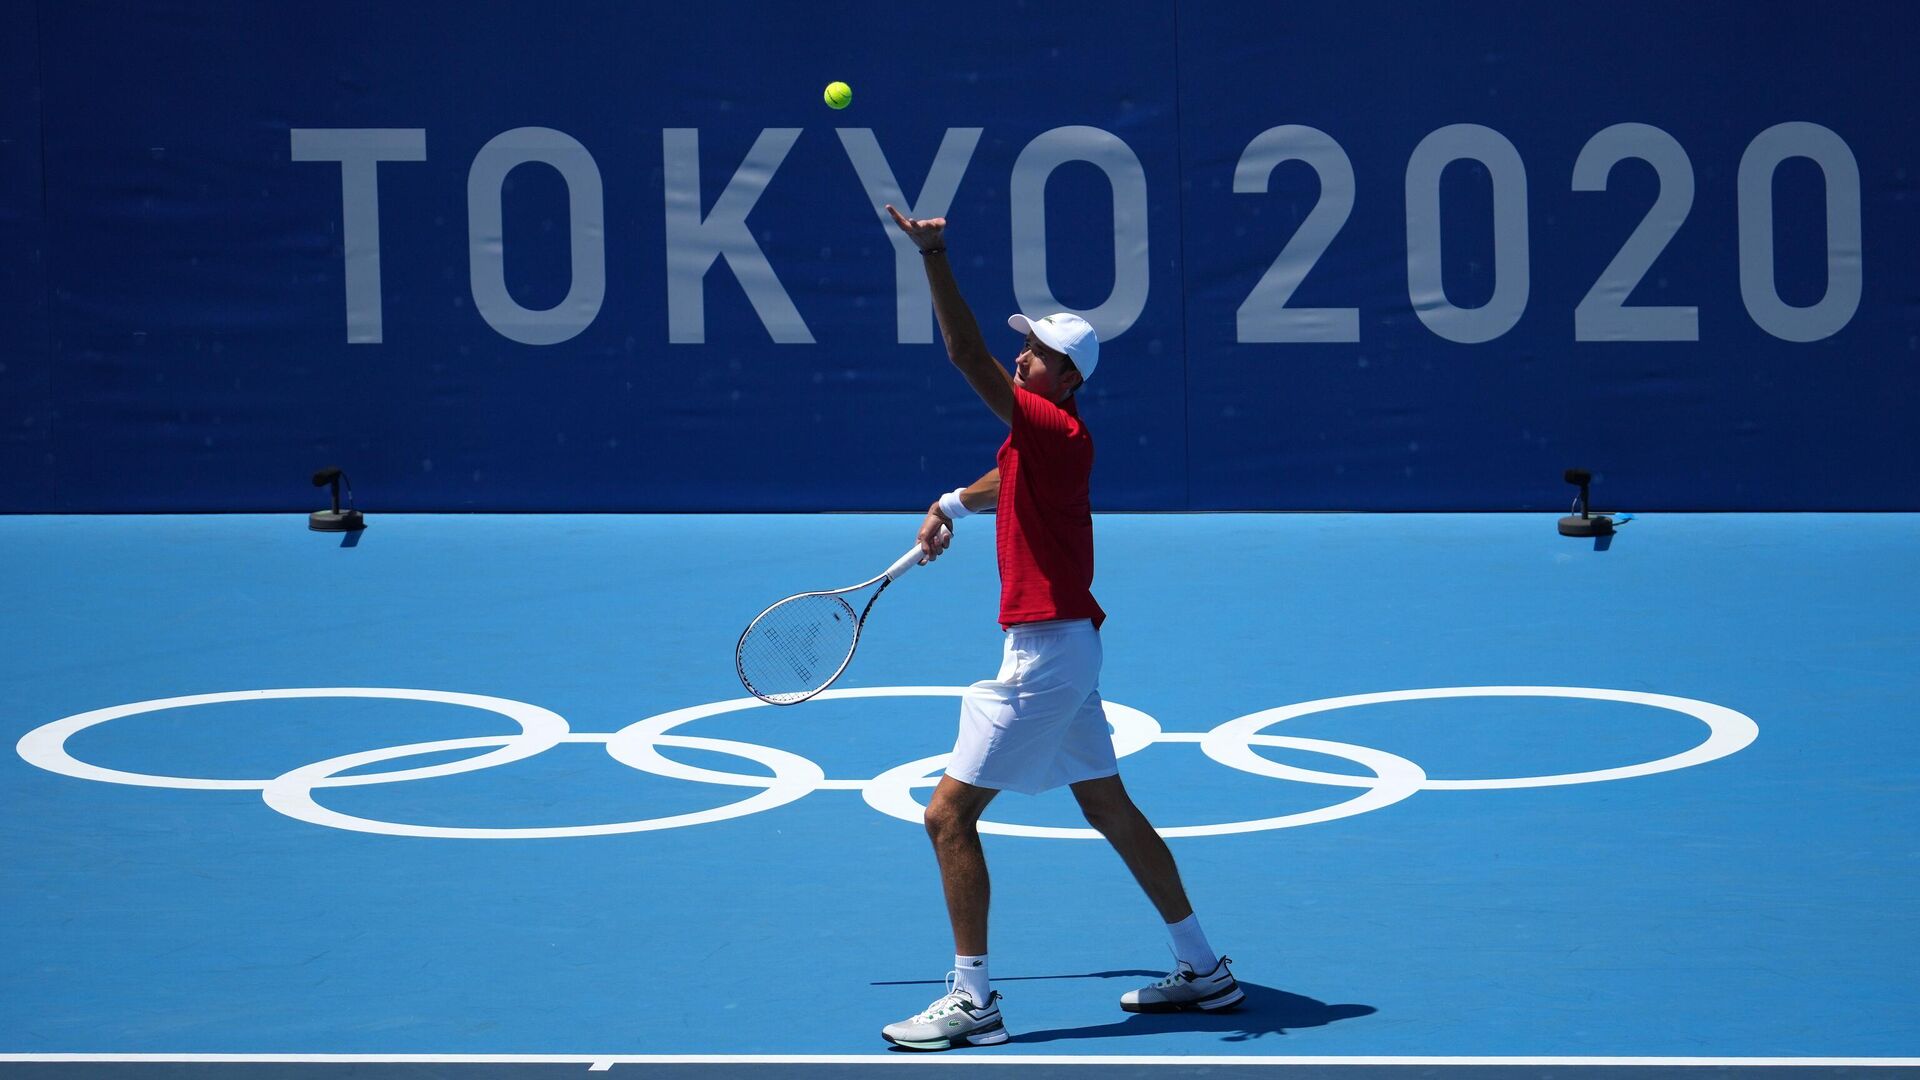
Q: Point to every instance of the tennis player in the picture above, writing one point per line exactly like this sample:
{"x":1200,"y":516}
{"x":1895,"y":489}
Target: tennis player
{"x":1039,"y":723}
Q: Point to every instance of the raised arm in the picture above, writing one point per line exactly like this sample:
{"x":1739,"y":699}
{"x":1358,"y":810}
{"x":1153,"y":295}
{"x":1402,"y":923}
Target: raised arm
{"x":965,"y":347}
{"x":936,"y":532}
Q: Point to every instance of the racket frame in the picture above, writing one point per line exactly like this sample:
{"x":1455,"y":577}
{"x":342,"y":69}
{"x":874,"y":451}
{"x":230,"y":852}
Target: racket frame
{"x":887,"y":577}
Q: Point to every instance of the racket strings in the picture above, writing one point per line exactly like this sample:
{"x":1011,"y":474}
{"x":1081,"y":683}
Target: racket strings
{"x":797,"y":646}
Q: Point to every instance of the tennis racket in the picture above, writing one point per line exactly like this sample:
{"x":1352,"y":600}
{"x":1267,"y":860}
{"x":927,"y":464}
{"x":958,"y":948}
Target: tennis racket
{"x":799,"y":646}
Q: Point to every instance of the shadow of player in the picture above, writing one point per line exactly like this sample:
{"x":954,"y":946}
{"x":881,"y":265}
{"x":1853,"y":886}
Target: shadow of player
{"x":1129,"y":973}
{"x":1266,"y":1011}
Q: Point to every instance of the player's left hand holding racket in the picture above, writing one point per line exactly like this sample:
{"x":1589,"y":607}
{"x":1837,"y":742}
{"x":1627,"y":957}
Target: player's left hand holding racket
{"x":799,"y":646}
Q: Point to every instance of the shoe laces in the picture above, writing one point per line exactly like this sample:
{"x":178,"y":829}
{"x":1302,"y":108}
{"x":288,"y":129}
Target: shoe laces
{"x":1185,"y":973}
{"x":1175,"y":978}
{"x":954,"y":998}
{"x":1182,"y":972}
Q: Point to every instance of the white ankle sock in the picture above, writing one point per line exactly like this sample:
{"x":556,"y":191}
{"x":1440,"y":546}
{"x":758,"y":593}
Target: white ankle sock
{"x":1190,"y":945}
{"x":970,"y":974}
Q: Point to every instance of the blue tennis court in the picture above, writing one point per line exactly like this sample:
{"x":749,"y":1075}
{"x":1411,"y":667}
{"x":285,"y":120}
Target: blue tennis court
{"x":655,"y":867}
{"x":620,"y":322}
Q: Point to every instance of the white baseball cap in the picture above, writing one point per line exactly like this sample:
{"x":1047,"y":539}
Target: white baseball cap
{"x":1067,"y":333}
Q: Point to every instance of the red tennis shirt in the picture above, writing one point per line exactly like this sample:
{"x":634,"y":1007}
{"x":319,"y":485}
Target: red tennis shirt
{"x":1045,"y":528}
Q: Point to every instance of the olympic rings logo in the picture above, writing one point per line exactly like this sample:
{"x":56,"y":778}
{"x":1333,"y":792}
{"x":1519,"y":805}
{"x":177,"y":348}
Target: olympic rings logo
{"x":638,"y":746}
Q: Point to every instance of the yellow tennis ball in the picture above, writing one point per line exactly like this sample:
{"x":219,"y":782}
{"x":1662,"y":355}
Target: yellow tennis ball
{"x":839,"y":95}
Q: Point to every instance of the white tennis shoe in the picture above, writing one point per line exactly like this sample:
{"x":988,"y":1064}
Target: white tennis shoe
{"x":1187,"y":989}
{"x":952,"y":1021}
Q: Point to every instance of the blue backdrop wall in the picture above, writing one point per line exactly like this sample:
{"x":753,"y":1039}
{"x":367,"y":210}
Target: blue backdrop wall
{"x":619,"y":256}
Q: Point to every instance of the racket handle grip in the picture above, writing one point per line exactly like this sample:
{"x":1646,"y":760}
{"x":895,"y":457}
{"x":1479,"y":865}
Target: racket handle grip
{"x":908,"y":561}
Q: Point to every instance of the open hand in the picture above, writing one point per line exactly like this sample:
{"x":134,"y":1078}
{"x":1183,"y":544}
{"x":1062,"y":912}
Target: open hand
{"x":927,"y":233}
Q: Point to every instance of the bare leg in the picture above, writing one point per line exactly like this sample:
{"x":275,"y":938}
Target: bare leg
{"x":953,"y":824}
{"x":1110,"y":809}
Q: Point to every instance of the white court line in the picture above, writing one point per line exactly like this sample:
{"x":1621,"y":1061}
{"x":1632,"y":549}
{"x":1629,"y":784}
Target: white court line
{"x":603,"y":1062}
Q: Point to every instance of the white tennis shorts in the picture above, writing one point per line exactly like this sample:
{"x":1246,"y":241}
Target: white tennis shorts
{"x":1039,"y":723}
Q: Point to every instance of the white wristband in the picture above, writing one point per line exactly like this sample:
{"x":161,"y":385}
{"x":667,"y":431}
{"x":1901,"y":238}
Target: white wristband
{"x":951,"y":505}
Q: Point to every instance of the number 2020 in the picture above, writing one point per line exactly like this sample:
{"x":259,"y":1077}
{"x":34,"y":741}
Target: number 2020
{"x":1603,"y":314}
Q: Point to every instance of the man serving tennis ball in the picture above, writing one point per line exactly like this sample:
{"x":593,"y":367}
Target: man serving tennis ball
{"x":1039,"y":723}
